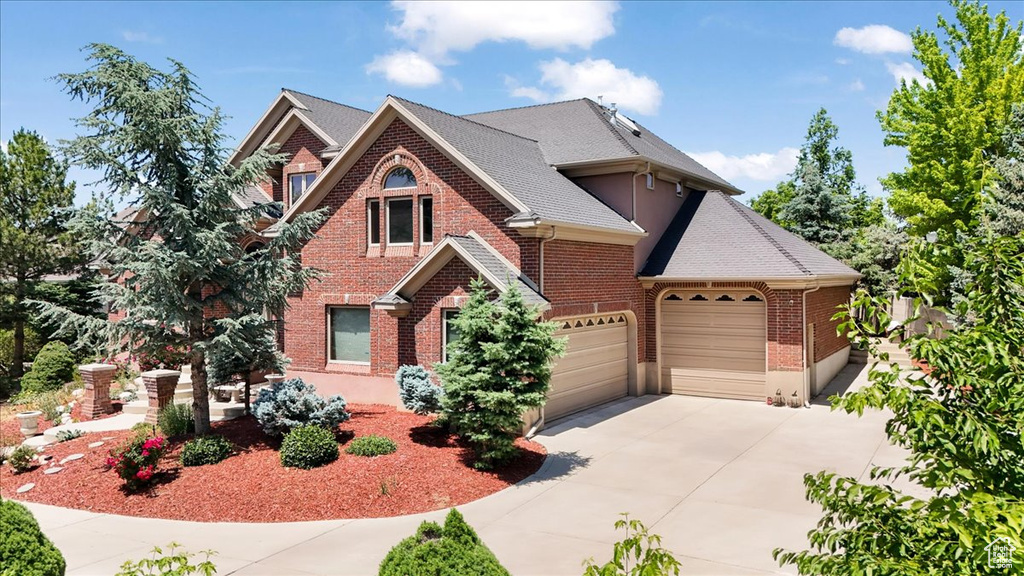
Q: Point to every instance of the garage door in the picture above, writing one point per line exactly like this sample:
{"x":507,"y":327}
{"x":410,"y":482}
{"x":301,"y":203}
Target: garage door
{"x":713,"y":343}
{"x":595,"y":368}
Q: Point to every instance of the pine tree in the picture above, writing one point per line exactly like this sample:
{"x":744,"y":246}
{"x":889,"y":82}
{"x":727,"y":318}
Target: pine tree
{"x":498,"y":368}
{"x":184,"y":279}
{"x":35,"y":205}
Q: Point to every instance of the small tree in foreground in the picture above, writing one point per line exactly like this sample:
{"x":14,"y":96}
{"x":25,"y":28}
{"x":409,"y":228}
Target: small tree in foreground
{"x":185,"y":281}
{"x":498,"y":368}
{"x":962,"y":425}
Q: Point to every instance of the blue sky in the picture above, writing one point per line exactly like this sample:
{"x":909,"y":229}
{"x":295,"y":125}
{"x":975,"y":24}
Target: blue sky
{"x":734,"y":84}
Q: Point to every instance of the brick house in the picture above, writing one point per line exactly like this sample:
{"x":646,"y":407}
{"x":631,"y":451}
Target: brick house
{"x":660,"y":279}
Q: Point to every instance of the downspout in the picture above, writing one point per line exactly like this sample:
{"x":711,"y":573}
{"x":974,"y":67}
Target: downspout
{"x":803,"y":330}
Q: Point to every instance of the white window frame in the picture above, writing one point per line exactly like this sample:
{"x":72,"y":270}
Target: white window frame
{"x":330,"y":335}
{"x":369,"y":222}
{"x":305,"y":185}
{"x":387,"y":220}
{"x":423,"y":240}
{"x":444,"y":331}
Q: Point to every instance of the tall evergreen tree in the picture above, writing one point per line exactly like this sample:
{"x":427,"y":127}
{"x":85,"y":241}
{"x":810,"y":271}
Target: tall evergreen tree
{"x":35,"y":205}
{"x":184,"y":279}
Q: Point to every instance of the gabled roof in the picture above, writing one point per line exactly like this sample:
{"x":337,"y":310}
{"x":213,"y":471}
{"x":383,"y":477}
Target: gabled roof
{"x":714,"y":237}
{"x":480,"y":256}
{"x":510,"y":167}
{"x":581,"y":131}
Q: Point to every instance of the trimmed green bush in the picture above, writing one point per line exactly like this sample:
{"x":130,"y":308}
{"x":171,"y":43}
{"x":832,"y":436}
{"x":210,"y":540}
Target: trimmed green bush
{"x":308,"y":447}
{"x":454,"y":550}
{"x":53,"y":367}
{"x":21,"y":459}
{"x":176,"y":420}
{"x":205,"y":450}
{"x":372,"y":445}
{"x":24,"y":549}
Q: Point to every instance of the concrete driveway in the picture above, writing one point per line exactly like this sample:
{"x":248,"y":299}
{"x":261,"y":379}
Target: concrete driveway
{"x":719,"y":480}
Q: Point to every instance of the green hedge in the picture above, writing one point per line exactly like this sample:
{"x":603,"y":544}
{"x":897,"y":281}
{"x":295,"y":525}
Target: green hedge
{"x":24,"y":549}
{"x":454,"y":550}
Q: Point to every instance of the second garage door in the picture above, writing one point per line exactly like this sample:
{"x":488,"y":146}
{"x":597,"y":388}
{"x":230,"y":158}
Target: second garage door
{"x":595,"y":368}
{"x":713,"y":343}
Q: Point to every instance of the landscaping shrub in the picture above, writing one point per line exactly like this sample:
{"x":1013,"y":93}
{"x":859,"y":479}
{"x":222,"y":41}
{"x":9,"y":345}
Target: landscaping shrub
{"x":292,"y":404}
{"x":53,"y":367}
{"x":22,"y":458}
{"x":416,"y":390}
{"x":173,"y":563}
{"x":24,"y":549}
{"x":498,"y":368}
{"x":454,"y":550}
{"x":176,"y":420}
{"x":65,"y":435}
{"x":639,"y":553}
{"x":205,"y":450}
{"x":372,"y":445}
{"x":136,"y":461}
{"x":308,"y":447}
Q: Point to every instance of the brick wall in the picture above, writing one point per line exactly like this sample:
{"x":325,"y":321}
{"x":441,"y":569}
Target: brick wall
{"x":821,"y":305}
{"x":357,"y":273}
{"x":785,"y":320}
{"x":584,"y":278}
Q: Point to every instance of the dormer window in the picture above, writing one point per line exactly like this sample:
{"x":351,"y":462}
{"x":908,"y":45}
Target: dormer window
{"x":400,"y":177}
{"x":299,"y":183}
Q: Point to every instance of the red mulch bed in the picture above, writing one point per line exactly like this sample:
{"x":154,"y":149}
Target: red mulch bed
{"x":430,"y":471}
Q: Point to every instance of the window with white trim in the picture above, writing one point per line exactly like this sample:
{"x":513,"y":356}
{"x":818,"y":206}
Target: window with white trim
{"x":348,"y":334}
{"x":426,"y":220}
{"x":399,"y":221}
{"x":299,"y":183}
{"x":449,"y":333}
{"x":373,"y":222}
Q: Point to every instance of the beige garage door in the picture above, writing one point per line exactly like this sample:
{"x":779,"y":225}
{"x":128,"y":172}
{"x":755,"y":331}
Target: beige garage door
{"x":594,"y":369}
{"x":713,"y":343}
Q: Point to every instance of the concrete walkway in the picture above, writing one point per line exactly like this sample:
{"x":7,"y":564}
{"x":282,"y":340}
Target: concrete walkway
{"x":719,"y":480}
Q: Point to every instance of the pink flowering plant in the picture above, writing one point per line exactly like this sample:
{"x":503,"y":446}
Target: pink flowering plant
{"x":136,"y":462}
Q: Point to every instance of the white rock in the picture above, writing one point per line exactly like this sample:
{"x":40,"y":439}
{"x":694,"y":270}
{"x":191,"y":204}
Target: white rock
{"x":52,"y":470}
{"x":25,"y":488}
{"x":71,"y":458}
{"x":95,"y":444}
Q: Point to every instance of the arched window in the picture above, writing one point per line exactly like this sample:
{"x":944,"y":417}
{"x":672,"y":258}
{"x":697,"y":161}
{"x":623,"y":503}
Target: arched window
{"x":400,"y":177}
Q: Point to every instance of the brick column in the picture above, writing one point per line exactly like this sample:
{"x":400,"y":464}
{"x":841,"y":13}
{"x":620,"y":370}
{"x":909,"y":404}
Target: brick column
{"x":96,"y":401}
{"x":160,"y":385}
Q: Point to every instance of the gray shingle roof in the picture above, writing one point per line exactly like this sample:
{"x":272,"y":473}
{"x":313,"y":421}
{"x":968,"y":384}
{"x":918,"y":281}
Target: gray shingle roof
{"x":500,"y":269}
{"x":715,"y":237}
{"x":339,"y":121}
{"x":519,"y":166}
{"x":581,"y":131}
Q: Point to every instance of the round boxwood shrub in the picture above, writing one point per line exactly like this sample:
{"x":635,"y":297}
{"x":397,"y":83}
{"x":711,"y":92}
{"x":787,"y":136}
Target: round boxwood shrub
{"x":372,"y":445}
{"x":24,"y":549}
{"x":308,"y":447}
{"x":205,"y":450}
{"x":53,"y":367}
{"x":454,"y":550}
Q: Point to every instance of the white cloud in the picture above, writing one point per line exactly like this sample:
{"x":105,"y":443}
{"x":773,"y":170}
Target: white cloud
{"x":765,"y":166}
{"x":874,"y":39}
{"x":592,"y":78}
{"x":406,"y":68}
{"x":437,"y":28}
{"x":906,"y":71}
{"x":856,"y":86}
{"x":145,"y":37}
